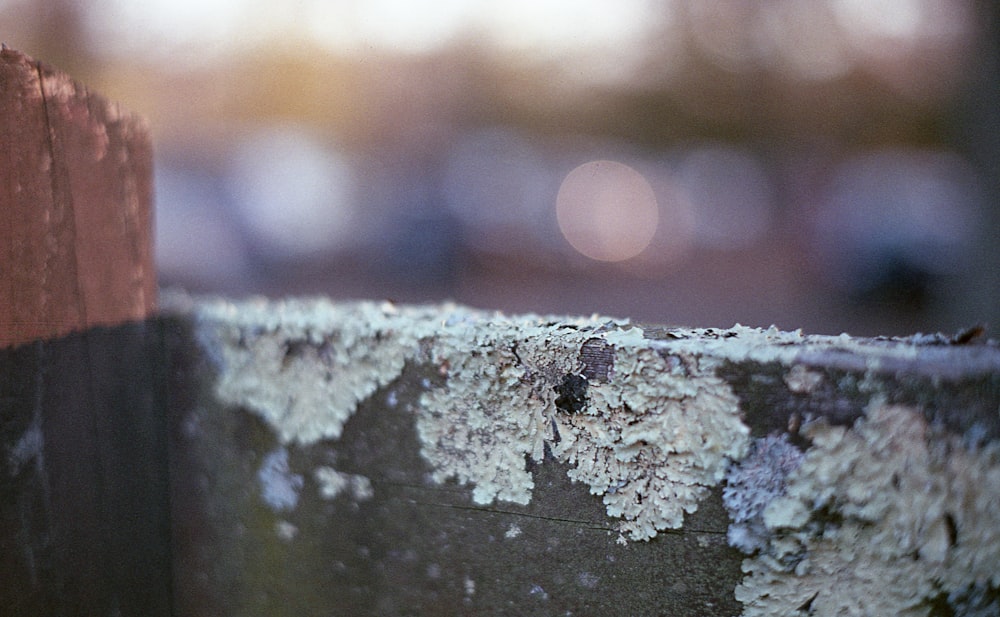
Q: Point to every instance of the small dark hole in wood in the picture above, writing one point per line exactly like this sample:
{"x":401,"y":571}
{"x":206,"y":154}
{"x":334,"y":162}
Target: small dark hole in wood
{"x":572,"y":393}
{"x":293,"y":350}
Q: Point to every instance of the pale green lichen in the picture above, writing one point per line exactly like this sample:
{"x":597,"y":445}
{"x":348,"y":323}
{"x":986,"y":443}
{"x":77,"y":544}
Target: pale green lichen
{"x":654,"y":438}
{"x":883,"y":518}
{"x":651,"y":438}
{"x":304,"y":366}
{"x":879,"y":519}
{"x":496,"y":404}
{"x":333,"y":483}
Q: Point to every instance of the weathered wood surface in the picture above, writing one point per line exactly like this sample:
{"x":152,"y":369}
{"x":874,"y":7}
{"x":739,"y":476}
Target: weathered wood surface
{"x":75,"y":198}
{"x":84,"y":516}
{"x":84,"y":526}
{"x":376,"y":460}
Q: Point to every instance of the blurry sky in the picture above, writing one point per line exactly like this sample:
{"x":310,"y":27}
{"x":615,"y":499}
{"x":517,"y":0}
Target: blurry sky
{"x":827,"y":165}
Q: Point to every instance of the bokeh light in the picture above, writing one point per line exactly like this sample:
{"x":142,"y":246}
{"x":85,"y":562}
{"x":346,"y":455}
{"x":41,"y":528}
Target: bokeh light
{"x":293,"y":194}
{"x":893,"y":221}
{"x":730,"y":195}
{"x":607,"y":211}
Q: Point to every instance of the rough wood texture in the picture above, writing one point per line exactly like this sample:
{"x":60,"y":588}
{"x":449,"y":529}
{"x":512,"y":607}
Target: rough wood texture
{"x":84,"y":527}
{"x":365,"y":460}
{"x":75,"y":198}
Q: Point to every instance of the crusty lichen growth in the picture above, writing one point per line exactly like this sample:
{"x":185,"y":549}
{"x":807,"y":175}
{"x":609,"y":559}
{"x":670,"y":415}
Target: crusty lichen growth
{"x":651,"y":438}
{"x":654,"y":438}
{"x":879,"y":519}
{"x":650,"y":432}
{"x":333,"y":483}
{"x":495,"y":406}
{"x":752,"y":484}
{"x":302,"y":365}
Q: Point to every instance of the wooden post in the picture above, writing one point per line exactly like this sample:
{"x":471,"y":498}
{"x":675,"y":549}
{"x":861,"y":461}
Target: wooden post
{"x":84,"y":526}
{"x":75,"y":193}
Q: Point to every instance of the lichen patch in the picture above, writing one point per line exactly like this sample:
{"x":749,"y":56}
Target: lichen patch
{"x":333,"y":483}
{"x":279,"y":486}
{"x":653,"y":439}
{"x":752,"y":485}
{"x":647,"y":427}
{"x":801,"y":380}
{"x":493,"y":411}
{"x":883,"y":518}
{"x":304,"y":366}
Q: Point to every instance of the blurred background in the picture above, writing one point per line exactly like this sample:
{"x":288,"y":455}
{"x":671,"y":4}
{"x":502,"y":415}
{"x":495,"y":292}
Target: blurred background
{"x":829,"y":165}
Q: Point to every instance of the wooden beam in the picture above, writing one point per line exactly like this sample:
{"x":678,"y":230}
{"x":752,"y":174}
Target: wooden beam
{"x":365,"y":459}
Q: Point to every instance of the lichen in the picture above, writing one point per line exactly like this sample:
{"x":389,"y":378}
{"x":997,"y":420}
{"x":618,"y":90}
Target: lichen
{"x":752,"y":484}
{"x":304,"y":366}
{"x":650,"y":439}
{"x":978,"y":600}
{"x":654,"y":438}
{"x":801,"y":380}
{"x":494,"y":409}
{"x":650,"y":430}
{"x":333,"y":483}
{"x":890,"y":516}
{"x":881,"y":518}
{"x":279,"y":487}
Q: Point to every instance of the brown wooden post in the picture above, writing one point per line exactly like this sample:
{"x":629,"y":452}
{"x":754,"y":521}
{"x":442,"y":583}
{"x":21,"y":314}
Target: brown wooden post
{"x":75,"y":193}
{"x":84,"y":528}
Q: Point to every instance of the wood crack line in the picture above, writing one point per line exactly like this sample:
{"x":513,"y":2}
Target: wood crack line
{"x":556,"y":519}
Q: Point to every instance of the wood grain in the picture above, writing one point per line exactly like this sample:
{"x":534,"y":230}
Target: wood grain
{"x":75,"y":197}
